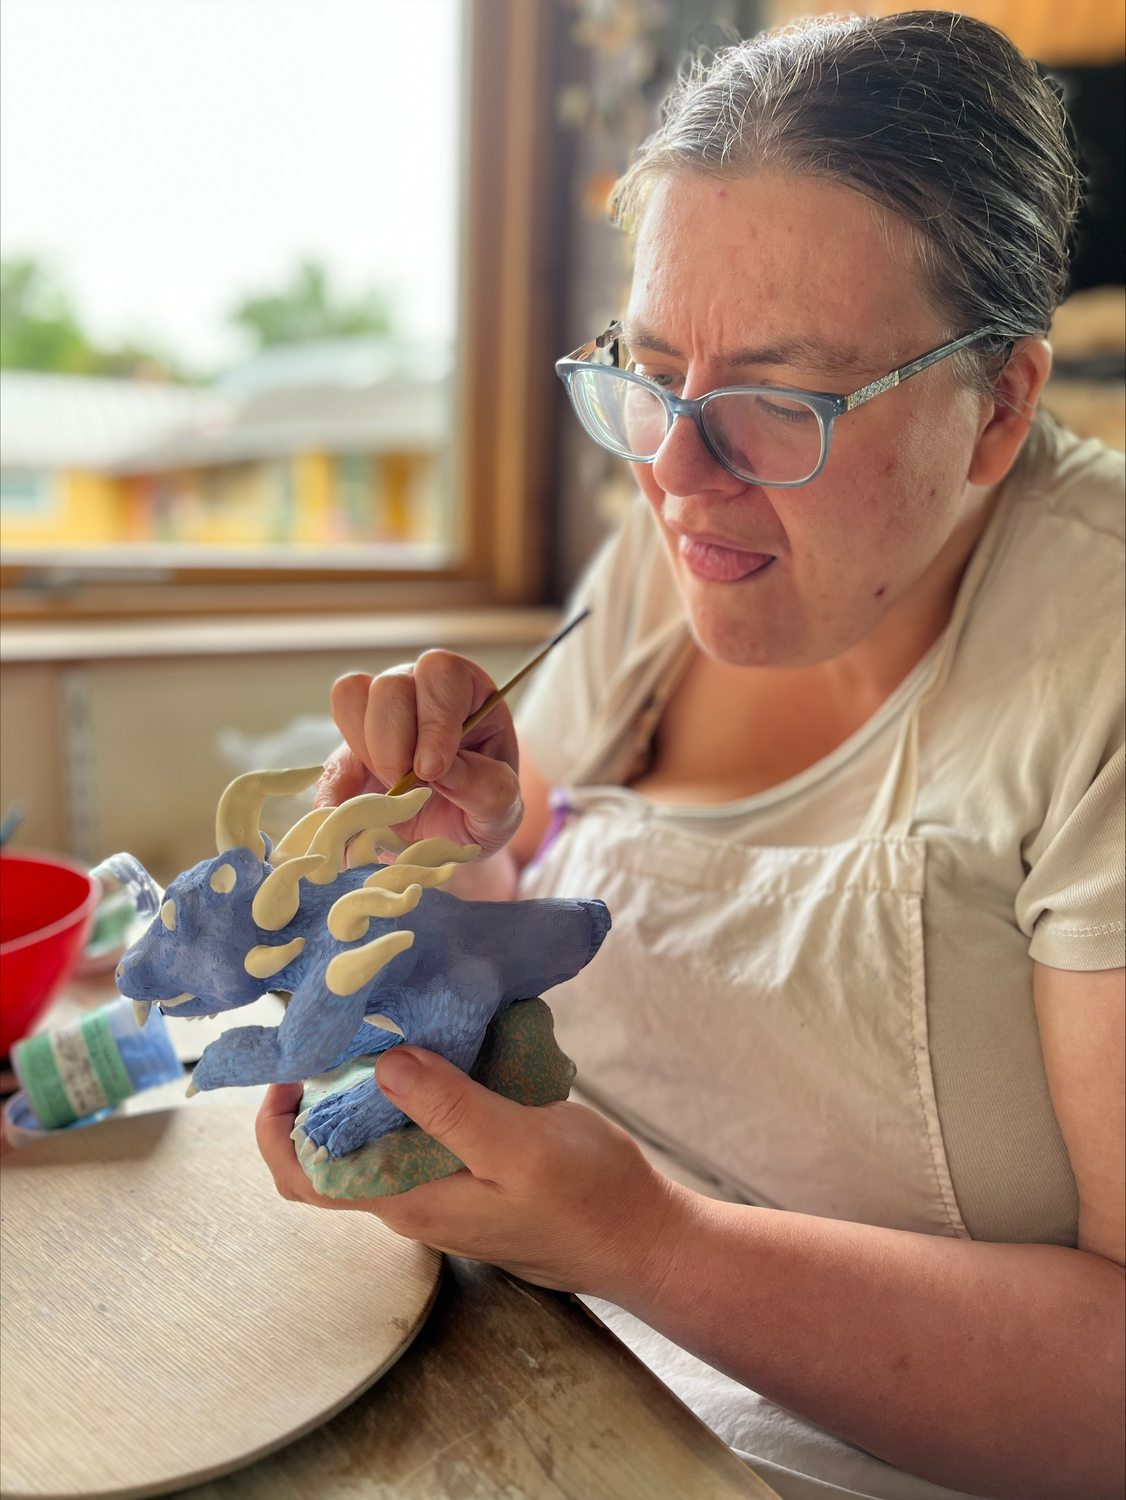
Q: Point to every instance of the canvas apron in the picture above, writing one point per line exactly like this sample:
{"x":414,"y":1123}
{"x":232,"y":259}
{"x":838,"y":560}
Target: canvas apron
{"x":760,"y":1012}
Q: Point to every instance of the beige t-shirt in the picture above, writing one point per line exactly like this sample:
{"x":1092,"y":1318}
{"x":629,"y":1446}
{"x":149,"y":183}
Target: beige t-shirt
{"x":1020,"y":799}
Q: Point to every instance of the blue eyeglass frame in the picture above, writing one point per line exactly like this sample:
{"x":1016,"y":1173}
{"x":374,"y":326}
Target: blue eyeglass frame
{"x":826,"y":406}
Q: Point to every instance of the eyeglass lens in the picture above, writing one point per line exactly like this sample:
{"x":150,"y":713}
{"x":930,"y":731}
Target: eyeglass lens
{"x":759,"y":436}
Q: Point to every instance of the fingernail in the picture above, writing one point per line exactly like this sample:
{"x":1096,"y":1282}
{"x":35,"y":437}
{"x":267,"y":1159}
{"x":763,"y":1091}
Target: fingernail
{"x":429,"y":765}
{"x":396,"y":1071}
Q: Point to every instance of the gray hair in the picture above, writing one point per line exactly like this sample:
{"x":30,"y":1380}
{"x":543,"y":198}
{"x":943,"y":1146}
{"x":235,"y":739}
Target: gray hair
{"x":936,"y":117}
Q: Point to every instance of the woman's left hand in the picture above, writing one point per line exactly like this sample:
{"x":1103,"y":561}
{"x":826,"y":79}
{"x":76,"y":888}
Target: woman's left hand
{"x":556,"y":1194}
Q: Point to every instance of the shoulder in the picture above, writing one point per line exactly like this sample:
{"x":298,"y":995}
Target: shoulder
{"x":1074,"y":480}
{"x":1042,"y":653}
{"x":1058,"y":575}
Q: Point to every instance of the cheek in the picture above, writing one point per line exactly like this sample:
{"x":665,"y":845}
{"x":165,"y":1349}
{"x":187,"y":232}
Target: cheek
{"x":648,"y":485}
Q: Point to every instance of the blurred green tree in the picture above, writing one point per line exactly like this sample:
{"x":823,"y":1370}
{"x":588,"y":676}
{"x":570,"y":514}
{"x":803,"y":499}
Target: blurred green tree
{"x":40,"y":330}
{"x":308,"y":307}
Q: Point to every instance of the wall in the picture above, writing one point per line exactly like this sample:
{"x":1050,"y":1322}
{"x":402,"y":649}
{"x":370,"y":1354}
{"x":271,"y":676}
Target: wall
{"x":109,"y":755}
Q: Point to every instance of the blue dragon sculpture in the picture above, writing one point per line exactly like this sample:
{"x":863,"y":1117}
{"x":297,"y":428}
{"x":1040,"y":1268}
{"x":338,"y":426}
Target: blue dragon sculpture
{"x":370,"y":959}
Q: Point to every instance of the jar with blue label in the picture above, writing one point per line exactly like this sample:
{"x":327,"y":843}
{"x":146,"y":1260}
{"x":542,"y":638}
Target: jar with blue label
{"x":90,"y":1065}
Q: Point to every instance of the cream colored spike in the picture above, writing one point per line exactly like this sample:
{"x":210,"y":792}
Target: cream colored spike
{"x":385,"y":1023}
{"x":348,"y":917}
{"x":366,"y":847}
{"x":398,"y":877}
{"x":437,"y":851}
{"x":299,"y":837}
{"x":265,"y":960}
{"x":240,"y":806}
{"x":349,"y":972}
{"x":375,"y":810}
{"x":276,"y":900}
{"x":141,"y":1010}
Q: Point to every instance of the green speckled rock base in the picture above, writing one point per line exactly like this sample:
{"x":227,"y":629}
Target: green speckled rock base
{"x":519,"y":1058}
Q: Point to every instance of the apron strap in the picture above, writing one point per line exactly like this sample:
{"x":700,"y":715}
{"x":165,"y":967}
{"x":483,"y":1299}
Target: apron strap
{"x":893,"y":810}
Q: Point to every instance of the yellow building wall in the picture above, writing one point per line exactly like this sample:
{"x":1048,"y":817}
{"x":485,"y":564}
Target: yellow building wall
{"x":313,"y":498}
{"x":309,"y":500}
{"x":85,"y":509}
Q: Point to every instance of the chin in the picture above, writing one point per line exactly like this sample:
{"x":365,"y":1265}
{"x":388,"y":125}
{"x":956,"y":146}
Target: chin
{"x":745,"y":639}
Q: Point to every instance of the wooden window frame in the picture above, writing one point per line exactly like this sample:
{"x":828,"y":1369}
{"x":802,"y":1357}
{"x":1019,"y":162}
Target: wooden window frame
{"x":505,"y":384}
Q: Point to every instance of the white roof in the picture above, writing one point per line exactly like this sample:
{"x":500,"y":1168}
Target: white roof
{"x":86,"y":422}
{"x":340,"y":396}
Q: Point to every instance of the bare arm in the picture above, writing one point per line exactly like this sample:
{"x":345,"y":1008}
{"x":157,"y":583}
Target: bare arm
{"x":995,"y":1369}
{"x":991,"y":1368}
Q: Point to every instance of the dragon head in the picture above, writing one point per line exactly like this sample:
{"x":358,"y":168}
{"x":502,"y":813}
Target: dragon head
{"x":213,"y":942}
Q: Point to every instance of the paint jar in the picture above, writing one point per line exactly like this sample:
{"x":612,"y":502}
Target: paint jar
{"x":90,"y":1065}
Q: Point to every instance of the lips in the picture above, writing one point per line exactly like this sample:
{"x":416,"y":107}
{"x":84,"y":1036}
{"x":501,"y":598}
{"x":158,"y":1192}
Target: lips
{"x":719,"y":562}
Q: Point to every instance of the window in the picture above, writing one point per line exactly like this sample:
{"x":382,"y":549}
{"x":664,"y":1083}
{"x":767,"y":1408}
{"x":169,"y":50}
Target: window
{"x":27,"y":497}
{"x":372,"y":430}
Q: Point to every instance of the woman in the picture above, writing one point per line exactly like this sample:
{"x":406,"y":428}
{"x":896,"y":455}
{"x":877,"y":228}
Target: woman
{"x":841,"y":748}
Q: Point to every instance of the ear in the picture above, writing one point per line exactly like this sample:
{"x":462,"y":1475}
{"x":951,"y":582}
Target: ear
{"x":1009,"y":411}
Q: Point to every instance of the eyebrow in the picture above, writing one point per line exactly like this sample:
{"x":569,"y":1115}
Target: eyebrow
{"x":798,"y":351}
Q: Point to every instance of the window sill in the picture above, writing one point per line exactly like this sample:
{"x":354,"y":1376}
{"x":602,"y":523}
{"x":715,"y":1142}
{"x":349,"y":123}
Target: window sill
{"x":258,"y":635}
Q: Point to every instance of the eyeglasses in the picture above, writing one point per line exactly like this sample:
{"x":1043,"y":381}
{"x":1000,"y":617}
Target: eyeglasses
{"x":765,"y":434}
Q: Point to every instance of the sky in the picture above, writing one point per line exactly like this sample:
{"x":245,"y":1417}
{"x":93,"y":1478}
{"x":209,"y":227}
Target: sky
{"x":170,"y":156}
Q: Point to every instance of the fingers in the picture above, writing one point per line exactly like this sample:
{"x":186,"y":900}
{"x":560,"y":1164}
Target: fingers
{"x":349,"y":705}
{"x":390,"y":724}
{"x":345,"y":775}
{"x":488,"y":793}
{"x":411,"y":717}
{"x":414,"y":715}
{"x":481,"y":1128}
{"x":272,"y":1129}
{"x":448,"y":690}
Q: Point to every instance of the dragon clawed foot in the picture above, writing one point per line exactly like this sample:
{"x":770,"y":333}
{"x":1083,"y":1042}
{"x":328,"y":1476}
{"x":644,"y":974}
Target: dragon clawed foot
{"x":346,"y":1121}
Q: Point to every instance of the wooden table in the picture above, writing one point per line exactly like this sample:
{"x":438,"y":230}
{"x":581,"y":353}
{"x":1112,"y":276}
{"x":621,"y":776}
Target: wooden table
{"x":508,"y":1393}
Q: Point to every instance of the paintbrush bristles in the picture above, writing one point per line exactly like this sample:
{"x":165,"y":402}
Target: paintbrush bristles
{"x":405,"y":783}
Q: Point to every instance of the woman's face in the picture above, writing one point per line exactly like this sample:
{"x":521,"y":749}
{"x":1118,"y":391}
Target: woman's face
{"x":777,"y":280}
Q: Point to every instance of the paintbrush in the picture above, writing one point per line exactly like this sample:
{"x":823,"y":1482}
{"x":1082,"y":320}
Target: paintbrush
{"x":405,"y":783}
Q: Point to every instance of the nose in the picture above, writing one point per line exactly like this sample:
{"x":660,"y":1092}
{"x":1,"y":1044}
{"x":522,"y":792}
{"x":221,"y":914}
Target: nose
{"x":685,"y":466}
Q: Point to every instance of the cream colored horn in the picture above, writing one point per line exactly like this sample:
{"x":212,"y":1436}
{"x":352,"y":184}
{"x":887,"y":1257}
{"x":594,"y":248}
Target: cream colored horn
{"x":265,"y":960}
{"x":349,"y":972}
{"x":399,"y":877}
{"x":240,"y":806}
{"x":367,"y":846}
{"x":276,"y":900}
{"x":375,"y":810}
{"x":348,"y":917}
{"x":300,"y":836}
{"x":434,"y":852}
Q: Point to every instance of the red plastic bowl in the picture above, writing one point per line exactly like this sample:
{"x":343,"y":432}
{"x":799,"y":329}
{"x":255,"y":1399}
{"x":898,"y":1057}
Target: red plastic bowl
{"x":47,"y":906}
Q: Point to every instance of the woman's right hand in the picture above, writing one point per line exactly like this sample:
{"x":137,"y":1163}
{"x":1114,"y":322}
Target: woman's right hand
{"x":410,"y":718}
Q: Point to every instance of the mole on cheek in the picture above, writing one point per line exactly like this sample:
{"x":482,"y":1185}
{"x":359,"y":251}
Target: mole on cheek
{"x":881,"y":591}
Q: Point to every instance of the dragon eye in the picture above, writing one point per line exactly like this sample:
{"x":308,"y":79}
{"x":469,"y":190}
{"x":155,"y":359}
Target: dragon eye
{"x":168,"y":915}
{"x":223,"y":880}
